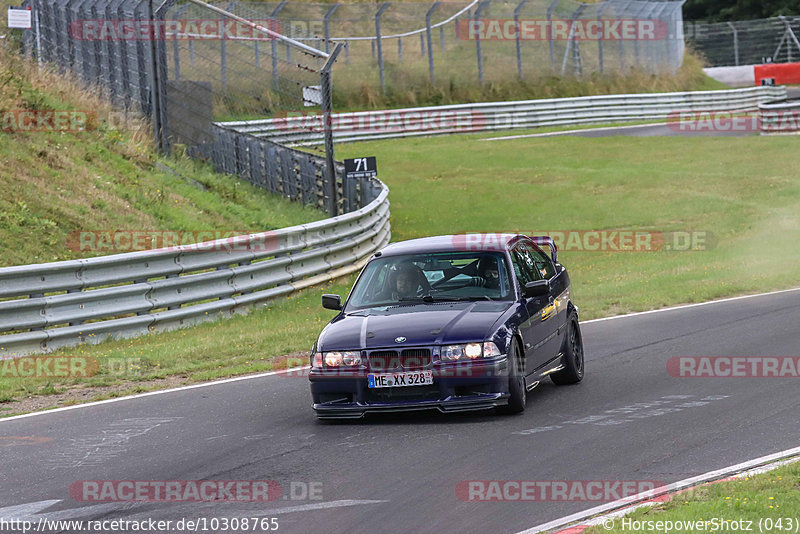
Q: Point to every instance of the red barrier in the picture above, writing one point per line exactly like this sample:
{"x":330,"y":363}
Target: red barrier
{"x":782,"y":73}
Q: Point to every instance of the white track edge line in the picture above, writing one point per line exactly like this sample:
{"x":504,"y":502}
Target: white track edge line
{"x":152,"y":393}
{"x":262,"y":375}
{"x":693,"y":305}
{"x":567,"y":132}
{"x":664,"y":490}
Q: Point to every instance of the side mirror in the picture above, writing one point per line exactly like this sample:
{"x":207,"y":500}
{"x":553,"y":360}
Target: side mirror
{"x":537,"y":289}
{"x":332,"y":302}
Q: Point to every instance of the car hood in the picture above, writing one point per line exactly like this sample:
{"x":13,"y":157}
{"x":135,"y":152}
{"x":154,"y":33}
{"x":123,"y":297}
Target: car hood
{"x":421,"y":324}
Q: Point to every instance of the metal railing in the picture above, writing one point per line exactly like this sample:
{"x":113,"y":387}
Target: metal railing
{"x":60,"y":304}
{"x":745,"y":42}
{"x":779,"y":118}
{"x":491,"y":116}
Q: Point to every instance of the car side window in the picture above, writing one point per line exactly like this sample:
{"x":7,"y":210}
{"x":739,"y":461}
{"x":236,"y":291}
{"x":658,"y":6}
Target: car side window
{"x":541,"y":262}
{"x":523,"y":266}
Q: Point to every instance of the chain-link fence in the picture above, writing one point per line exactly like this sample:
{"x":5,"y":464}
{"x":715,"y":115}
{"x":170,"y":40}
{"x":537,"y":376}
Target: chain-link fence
{"x":485,"y":40}
{"x":188,"y":65}
{"x":747,"y":42}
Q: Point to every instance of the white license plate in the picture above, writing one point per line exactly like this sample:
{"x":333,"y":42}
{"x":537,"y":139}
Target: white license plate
{"x":394,"y":380}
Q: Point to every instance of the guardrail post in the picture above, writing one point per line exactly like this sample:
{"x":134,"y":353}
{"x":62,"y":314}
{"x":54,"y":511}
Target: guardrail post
{"x":274,"y":43}
{"x":478,"y":51}
{"x":550,"y":10}
{"x":519,"y":46}
{"x":428,"y":16}
{"x":378,"y":43}
{"x":326,"y":23}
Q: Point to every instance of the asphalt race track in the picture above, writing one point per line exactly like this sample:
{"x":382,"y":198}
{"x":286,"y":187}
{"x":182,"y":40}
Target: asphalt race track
{"x":628,"y":420}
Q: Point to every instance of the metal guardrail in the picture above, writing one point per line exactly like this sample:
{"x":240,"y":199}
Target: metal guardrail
{"x":60,"y":304}
{"x":779,"y":118}
{"x":491,"y":116}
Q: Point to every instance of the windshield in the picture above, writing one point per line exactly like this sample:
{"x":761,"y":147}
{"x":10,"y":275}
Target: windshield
{"x":447,"y":276}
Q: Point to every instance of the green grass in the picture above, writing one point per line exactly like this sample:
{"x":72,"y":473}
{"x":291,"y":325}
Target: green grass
{"x":108,"y":178}
{"x":765,"y":498}
{"x":239,"y":345}
{"x":743,"y":192}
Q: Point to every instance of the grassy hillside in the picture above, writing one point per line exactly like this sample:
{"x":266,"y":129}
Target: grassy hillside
{"x":106,"y":178}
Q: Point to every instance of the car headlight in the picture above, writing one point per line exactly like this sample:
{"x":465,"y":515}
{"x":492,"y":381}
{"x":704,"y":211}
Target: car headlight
{"x":469,"y":351}
{"x":347,"y":358}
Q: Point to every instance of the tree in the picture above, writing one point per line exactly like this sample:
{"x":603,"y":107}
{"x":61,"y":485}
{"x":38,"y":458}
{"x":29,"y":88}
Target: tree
{"x":721,"y":10}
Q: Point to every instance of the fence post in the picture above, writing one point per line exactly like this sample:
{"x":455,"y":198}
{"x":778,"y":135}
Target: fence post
{"x":602,"y":36}
{"x":428,"y":16}
{"x":327,"y":127}
{"x":157,"y":63}
{"x":274,"y":45}
{"x":400,"y":49}
{"x":652,"y":44}
{"x":378,"y":43}
{"x":176,"y":53}
{"x":224,"y":51}
{"x":478,"y":51}
{"x":326,"y":26}
{"x":573,"y":44}
{"x":518,"y":43}
{"x":550,"y":10}
{"x":621,"y":11}
{"x":639,"y":16}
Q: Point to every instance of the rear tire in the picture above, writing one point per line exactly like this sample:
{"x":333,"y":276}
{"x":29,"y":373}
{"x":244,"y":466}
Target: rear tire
{"x":573,"y":355}
{"x":516,"y":381}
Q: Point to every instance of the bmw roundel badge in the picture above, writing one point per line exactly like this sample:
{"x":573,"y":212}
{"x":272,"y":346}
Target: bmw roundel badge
{"x":400,"y":339}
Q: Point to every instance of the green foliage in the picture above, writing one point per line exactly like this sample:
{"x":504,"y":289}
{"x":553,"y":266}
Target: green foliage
{"x":725,"y":10}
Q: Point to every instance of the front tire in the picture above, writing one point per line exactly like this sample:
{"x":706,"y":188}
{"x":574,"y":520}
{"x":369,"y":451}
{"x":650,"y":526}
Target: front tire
{"x":573,"y":355}
{"x":516,"y":381}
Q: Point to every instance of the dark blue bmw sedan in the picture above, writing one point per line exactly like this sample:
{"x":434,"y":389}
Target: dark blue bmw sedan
{"x":452,"y":323}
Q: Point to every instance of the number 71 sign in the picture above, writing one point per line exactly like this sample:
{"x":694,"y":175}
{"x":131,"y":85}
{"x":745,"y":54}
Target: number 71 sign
{"x":361,"y":167}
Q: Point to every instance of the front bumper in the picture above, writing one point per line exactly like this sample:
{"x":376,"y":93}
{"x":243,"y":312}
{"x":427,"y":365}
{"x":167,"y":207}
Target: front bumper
{"x":455,"y":388}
